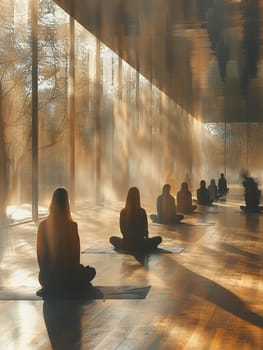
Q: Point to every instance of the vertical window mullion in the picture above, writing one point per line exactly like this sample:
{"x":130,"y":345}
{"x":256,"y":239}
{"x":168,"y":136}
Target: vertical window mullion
{"x":72,"y":110}
{"x":35,"y":160}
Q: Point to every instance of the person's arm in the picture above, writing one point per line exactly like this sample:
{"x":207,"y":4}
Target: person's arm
{"x":198,"y":195}
{"x":145,"y":224}
{"x":123,"y":227}
{"x":41,"y":248}
{"x":189,"y":199}
{"x":159,"y":206}
{"x":173,"y":204}
{"x":76,"y":245}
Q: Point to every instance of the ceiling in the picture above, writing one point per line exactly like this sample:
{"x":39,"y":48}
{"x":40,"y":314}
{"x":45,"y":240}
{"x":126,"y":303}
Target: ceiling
{"x":204,"y":54}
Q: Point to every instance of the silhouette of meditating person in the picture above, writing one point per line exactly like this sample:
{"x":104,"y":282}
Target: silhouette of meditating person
{"x":203,"y":196}
{"x":166,"y":209}
{"x":134,"y":226}
{"x":213,"y":192}
{"x":184,"y":200}
{"x":252,"y":194}
{"x":58,"y":250}
{"x":222,"y":186}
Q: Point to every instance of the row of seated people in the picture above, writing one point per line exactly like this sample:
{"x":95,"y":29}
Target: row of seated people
{"x":166,"y":208}
{"x":252,"y":194}
{"x":207,"y":195}
{"x":58,"y":243}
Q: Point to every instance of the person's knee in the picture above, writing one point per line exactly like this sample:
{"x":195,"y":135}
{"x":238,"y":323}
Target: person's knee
{"x":179,"y":217}
{"x":90,"y":272}
{"x":154,"y":218}
{"x":117,"y":242}
{"x":156,"y":240}
{"x":114,"y":240}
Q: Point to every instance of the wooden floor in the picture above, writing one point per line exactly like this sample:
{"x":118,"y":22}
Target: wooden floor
{"x":207,"y":297}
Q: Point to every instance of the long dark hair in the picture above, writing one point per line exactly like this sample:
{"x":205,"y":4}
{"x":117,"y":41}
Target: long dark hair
{"x":59,"y":206}
{"x":57,"y":221}
{"x":166,"y":189}
{"x":133,"y":203}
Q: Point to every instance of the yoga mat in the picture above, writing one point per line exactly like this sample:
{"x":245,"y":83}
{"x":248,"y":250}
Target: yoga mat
{"x":111,"y":250}
{"x":189,"y":223}
{"x":168,"y":250}
{"x":94,"y":292}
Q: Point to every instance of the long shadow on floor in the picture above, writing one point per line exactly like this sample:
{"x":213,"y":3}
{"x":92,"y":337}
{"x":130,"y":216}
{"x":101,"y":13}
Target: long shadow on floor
{"x":233,"y":249}
{"x":191,"y":283}
{"x":63,"y":323}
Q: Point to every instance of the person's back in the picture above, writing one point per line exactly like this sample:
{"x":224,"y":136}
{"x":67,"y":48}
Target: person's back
{"x":222,"y":185}
{"x":133,"y":225}
{"x":166,"y":209}
{"x":184,"y":199}
{"x":212,"y":188}
{"x":58,"y":249}
{"x":252,"y":193}
{"x":203,"y":197}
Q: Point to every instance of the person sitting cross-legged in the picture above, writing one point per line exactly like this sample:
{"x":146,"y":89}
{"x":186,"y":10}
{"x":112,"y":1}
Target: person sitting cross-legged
{"x":58,"y":251}
{"x":166,"y":209}
{"x":252,"y":195}
{"x":134,"y":227}
{"x":203,"y":196}
{"x":222,"y":186}
{"x":213,"y":190}
{"x":184,"y":200}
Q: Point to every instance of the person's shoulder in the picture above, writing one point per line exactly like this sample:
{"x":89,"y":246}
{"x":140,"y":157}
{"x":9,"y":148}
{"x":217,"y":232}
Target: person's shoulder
{"x":74,"y":224}
{"x":123,"y":211}
{"x":142,"y":211}
{"x":42,"y":227}
{"x":42,"y":224}
{"x":73,"y":227}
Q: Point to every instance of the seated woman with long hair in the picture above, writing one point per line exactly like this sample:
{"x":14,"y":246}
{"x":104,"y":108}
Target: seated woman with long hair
{"x":134,"y":226}
{"x":166,"y":209}
{"x":184,"y":200}
{"x":203,"y":195}
{"x":58,"y":250}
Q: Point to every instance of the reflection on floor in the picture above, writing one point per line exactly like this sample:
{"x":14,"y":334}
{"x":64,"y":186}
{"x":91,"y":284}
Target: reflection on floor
{"x":209,"y":296}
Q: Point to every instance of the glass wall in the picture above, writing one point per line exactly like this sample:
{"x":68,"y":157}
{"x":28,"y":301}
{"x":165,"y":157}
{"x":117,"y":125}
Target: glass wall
{"x":128,"y":132}
{"x":85,"y":114}
{"x":53,"y":93}
{"x":15,"y":110}
{"x":102,"y":126}
{"x":231,"y":148}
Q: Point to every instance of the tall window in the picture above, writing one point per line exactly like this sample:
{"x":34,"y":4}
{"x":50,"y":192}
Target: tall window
{"x":15,"y":113}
